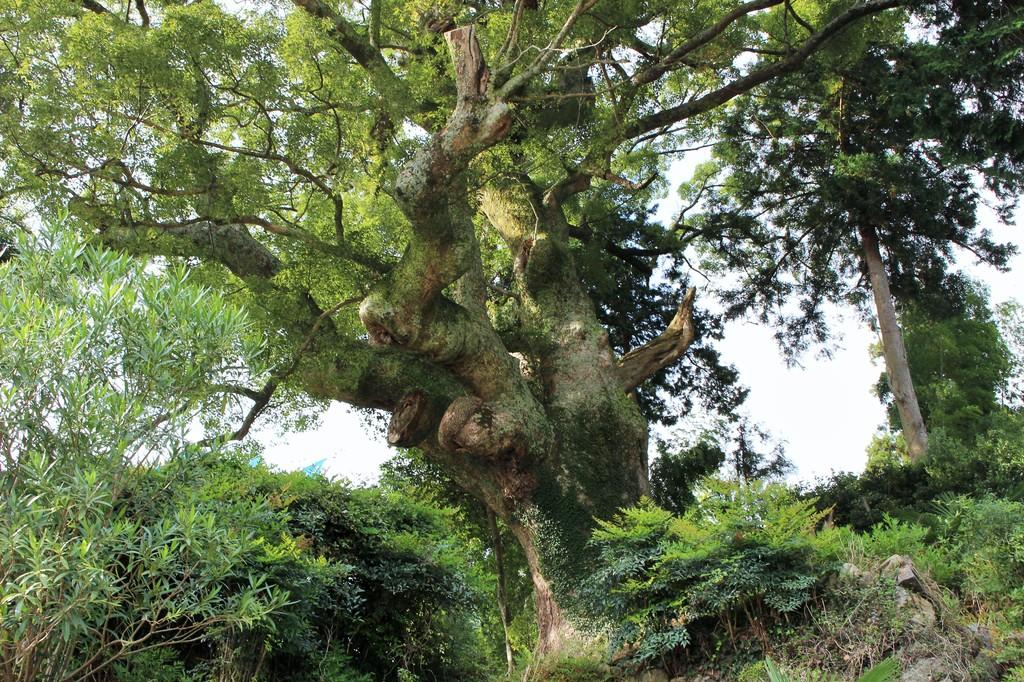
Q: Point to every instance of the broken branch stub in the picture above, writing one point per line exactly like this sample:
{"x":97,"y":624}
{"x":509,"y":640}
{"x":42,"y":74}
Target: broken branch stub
{"x":640,"y":364}
{"x":471,"y":73}
{"x":411,"y":421}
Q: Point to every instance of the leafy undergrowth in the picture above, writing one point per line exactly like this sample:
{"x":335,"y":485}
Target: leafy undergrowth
{"x":578,"y":661}
{"x":885,"y":671}
{"x":749,"y":574}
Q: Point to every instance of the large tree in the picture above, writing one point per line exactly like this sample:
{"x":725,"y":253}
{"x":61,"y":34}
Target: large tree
{"x":401,"y":192}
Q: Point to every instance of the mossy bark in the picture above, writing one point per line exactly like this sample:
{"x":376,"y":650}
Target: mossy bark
{"x":596,"y":462}
{"x":598,"y":466}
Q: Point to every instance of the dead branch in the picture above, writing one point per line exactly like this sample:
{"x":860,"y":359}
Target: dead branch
{"x":640,"y":364}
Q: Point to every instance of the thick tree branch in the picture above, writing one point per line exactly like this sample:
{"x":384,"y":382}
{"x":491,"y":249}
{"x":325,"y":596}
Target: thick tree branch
{"x":140,"y":5}
{"x":759,"y":75}
{"x":640,"y":364}
{"x":547,"y":53}
{"x":572,"y":184}
{"x":373,"y":27}
{"x":632,"y":256}
{"x":632,"y":185}
{"x":392,"y":89}
{"x":229,"y":244}
{"x":260,"y":403}
{"x":351,"y":372}
{"x":342,"y":249}
{"x":674,"y":58}
{"x":261,"y":398}
{"x":94,"y":6}
{"x":408,"y":309}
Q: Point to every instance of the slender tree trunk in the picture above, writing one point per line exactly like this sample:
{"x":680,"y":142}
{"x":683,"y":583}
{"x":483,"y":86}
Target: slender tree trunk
{"x":895,"y":354}
{"x":502,"y":589}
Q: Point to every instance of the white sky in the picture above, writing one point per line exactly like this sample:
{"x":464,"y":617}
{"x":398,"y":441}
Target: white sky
{"x":824,"y":409}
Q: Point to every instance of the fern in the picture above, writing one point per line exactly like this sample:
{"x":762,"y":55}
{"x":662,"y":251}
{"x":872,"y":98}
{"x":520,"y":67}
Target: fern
{"x":743,"y":554}
{"x":885,"y":671}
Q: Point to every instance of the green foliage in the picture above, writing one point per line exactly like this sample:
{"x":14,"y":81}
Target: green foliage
{"x":992,"y":464}
{"x":744,"y":555}
{"x":842,"y":146}
{"x":886,"y":671}
{"x":958,"y":362}
{"x":893,"y":536}
{"x":577,"y":661}
{"x":641,"y":314}
{"x":968,"y":78}
{"x":154,"y":665}
{"x":984,"y":541}
{"x":972,"y":546}
{"x":888,"y":537}
{"x":129,"y":551}
{"x":411,"y":475}
{"x":1010,"y":319}
{"x":385,"y":579}
{"x":736,"y":448}
{"x":675,"y":475}
{"x":571,"y":669}
{"x":105,"y":367}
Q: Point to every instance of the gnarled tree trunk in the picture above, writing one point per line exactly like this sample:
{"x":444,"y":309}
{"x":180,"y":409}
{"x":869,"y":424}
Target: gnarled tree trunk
{"x":548,"y":438}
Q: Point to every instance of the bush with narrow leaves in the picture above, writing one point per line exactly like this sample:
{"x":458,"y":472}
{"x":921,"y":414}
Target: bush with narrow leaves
{"x":103,"y":367}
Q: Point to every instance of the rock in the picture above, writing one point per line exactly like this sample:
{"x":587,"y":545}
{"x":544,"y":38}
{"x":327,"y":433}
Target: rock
{"x":926,"y":670}
{"x":851,"y":572}
{"x":982,"y":635}
{"x":902,"y":570}
{"x":893,"y":563}
{"x":652,"y":675}
{"x":921,"y":609}
{"x":913,"y":591}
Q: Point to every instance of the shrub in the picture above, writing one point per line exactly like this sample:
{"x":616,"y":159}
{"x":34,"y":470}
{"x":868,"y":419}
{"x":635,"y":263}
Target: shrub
{"x":154,"y":665}
{"x":986,"y":535}
{"x":893,"y":536}
{"x":737,"y":561}
{"x":129,"y":553}
{"x":386,"y":580}
{"x":103,"y":366}
{"x":576,"y":661}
